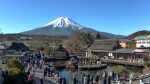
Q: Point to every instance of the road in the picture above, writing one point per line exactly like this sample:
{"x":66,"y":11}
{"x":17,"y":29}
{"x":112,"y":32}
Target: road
{"x":37,"y":75}
{"x":37,"y":81}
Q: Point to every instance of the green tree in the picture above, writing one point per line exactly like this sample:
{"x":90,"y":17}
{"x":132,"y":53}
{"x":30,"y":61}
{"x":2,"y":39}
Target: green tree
{"x":98,"y":35}
{"x":134,"y":70}
{"x":15,"y":73}
{"x":147,"y":61}
{"x":13,"y":63}
{"x":146,"y":68}
{"x":119,"y":69}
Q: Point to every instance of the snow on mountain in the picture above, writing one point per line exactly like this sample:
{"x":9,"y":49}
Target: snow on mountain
{"x":63,"y":26}
{"x":63,"y":22}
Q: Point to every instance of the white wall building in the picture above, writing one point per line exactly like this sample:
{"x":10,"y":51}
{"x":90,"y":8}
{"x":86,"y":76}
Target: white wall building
{"x":143,"y":41}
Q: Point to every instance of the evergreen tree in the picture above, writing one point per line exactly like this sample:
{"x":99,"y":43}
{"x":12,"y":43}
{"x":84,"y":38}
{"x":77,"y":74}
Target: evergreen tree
{"x":98,"y":35}
{"x":15,"y":74}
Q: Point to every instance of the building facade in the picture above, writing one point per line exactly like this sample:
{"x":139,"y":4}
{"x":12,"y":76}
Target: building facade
{"x":127,"y":43}
{"x":143,"y":41}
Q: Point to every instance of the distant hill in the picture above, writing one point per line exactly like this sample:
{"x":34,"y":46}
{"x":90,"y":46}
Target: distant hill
{"x":138,"y":33}
{"x":64,"y":26}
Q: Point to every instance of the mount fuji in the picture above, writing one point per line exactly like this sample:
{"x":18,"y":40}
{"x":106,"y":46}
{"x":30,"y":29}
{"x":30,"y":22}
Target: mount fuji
{"x":64,"y":26}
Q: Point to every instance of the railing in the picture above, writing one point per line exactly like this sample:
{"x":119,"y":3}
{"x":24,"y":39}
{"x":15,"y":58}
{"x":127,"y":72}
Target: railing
{"x":92,"y":66}
{"x":122,"y":62}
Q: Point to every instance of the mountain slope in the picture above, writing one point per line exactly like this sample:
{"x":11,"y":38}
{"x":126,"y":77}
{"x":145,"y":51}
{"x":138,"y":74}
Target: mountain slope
{"x":64,"y":26}
{"x":138,"y":33}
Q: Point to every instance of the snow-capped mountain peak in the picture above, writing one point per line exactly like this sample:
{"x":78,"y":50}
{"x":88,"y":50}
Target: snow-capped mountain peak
{"x":63,"y":22}
{"x":64,"y":26}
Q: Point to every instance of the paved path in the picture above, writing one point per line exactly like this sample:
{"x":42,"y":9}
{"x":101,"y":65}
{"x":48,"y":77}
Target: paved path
{"x":37,"y":81}
{"x":38,"y":74}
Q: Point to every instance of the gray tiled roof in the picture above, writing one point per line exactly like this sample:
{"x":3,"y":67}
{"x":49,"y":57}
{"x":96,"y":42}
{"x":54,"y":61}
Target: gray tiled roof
{"x":102,"y":47}
{"x":124,"y":50}
{"x":107,"y":44}
{"x":142,"y":50}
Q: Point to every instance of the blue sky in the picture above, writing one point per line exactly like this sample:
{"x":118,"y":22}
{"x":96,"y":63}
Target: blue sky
{"x":113,"y":16}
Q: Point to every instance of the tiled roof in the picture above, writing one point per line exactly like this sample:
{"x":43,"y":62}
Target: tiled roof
{"x":142,"y":37}
{"x":128,"y":50}
{"x":18,"y":47}
{"x":124,"y":50}
{"x":142,"y":50}
{"x":107,"y":44}
{"x":102,"y":47}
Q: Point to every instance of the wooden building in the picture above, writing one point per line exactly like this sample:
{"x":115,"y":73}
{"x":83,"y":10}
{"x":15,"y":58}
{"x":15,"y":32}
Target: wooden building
{"x":98,"y":50}
{"x":103,"y":47}
{"x":110,"y":51}
{"x":125,"y":43}
{"x":58,"y":53}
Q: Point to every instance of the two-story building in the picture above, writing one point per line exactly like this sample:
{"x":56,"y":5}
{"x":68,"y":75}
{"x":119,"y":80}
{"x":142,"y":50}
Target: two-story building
{"x":143,"y":41}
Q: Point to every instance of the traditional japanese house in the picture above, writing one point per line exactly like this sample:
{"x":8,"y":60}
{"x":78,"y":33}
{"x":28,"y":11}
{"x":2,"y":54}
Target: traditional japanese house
{"x":15,"y":50}
{"x":2,"y":49}
{"x":127,"y":54}
{"x":57,"y":56}
{"x":103,"y":48}
{"x":17,"y":47}
{"x":98,"y":50}
{"x":109,"y":50}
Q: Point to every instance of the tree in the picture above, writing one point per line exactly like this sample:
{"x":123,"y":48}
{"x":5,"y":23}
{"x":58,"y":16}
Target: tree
{"x":119,"y":69}
{"x":15,"y":74}
{"x":87,"y":38}
{"x":117,"y":46}
{"x":146,"y":64}
{"x":147,"y":61}
{"x":14,"y":63}
{"x":79,"y":41}
{"x":98,"y":35}
{"x":134,"y":70}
